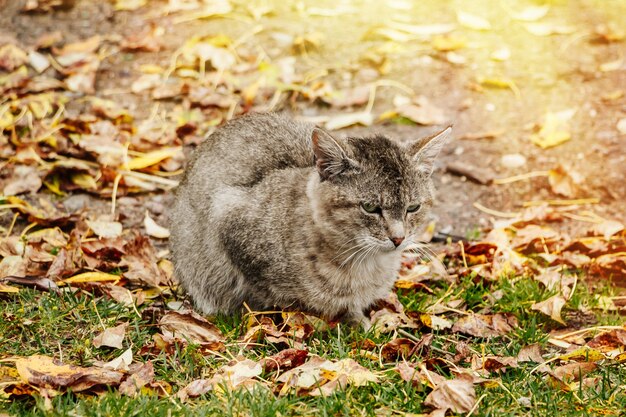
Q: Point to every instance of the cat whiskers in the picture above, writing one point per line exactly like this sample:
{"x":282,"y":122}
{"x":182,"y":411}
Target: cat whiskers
{"x":421,"y":249}
{"x":349,"y":249}
{"x":361,"y":247}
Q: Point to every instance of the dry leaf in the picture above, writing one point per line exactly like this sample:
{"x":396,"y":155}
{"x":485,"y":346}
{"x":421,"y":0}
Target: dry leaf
{"x":140,"y":376}
{"x":105,"y":228}
{"x":551,"y":307}
{"x":530,"y":13}
{"x":121,"y":363}
{"x":457,"y":395}
{"x":422,"y":111}
{"x":564,"y":182}
{"x":23,"y":179}
{"x":480,"y":325}
{"x":321,"y":377}
{"x":472,"y":21}
{"x":189,"y":325}
{"x":555,"y":129}
{"x":547,"y":29}
{"x":153,"y":229}
{"x":141,"y":260}
{"x":341,"y":121}
{"x":606,"y":229}
{"x":112,"y":337}
{"x":45,"y":372}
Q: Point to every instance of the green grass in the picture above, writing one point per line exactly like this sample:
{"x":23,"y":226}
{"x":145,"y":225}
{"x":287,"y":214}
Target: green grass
{"x":33,"y":322}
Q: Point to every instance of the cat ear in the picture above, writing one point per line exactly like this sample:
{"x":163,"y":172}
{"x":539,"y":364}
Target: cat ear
{"x":425,"y":150}
{"x":330,"y":158}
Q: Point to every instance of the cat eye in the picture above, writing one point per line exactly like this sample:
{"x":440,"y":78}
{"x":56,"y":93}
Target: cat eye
{"x":371,"y":208}
{"x":413,"y":208}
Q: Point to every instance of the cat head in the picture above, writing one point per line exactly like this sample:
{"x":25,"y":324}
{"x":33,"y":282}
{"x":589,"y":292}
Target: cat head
{"x":374,"y":194}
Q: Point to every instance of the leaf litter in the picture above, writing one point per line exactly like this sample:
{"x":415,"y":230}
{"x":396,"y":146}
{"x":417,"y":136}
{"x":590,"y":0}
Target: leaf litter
{"x":58,"y":148}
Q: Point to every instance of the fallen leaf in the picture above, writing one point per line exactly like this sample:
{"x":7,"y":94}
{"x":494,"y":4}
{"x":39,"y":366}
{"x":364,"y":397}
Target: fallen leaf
{"x":547,"y":29}
{"x":573,"y":371}
{"x":129,"y":4}
{"x":472,"y":21}
{"x":530,"y":353}
{"x":189,"y":325}
{"x":121,"y":363}
{"x":151,"y":158}
{"x":554,"y":130}
{"x":12,"y":57}
{"x":153,"y":229}
{"x":23,"y":179}
{"x":284,"y":360}
{"x":551,"y":307}
{"x":111,"y":337}
{"x":480,"y":325}
{"x":422,"y":111}
{"x":341,"y":121}
{"x":319,"y":376}
{"x":530,"y":13}
{"x":435,"y":322}
{"x":45,"y":372}
{"x":105,"y":228}
{"x":141,"y":260}
{"x":140,"y":375}
{"x":90,"y":277}
{"x":606,"y":229}
{"x":564,"y":182}
{"x":457,"y":395}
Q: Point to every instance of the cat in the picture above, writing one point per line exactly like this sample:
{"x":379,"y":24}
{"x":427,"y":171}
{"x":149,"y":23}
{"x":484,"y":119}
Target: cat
{"x":274,"y":212}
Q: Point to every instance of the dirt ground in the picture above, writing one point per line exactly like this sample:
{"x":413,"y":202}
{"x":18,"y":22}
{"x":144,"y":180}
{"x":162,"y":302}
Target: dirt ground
{"x":551,"y":73}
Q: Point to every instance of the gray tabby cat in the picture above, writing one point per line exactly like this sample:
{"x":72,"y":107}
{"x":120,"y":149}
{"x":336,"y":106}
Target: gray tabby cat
{"x":278,"y":213}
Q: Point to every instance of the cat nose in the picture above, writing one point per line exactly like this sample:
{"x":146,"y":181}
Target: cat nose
{"x":397,"y":240}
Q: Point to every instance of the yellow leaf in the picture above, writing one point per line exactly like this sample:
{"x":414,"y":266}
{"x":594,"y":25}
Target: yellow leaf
{"x":555,"y":129}
{"x":90,"y":277}
{"x":583,"y":354}
{"x":129,"y":4}
{"x":84,"y":181}
{"x":151,"y":158}
{"x":8,"y":288}
{"x":472,"y":21}
{"x":448,"y":43}
{"x":530,"y":13}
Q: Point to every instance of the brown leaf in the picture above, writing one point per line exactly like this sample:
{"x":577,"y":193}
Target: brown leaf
{"x":112,"y":337}
{"x":188,"y":325}
{"x":551,"y":307}
{"x":422,"y":112}
{"x":141,"y":260}
{"x":573,"y":371}
{"x":480,"y":325}
{"x":530,"y":353}
{"x":457,"y":395}
{"x":606,"y":229}
{"x":321,"y":377}
{"x":46,"y":372}
{"x":398,"y":348}
{"x":140,"y":376}
{"x":493,"y":363}
{"x":23,"y":179}
{"x":12,"y":57}
{"x":284,"y":360}
{"x":564,"y":182}
{"x":609,"y":341}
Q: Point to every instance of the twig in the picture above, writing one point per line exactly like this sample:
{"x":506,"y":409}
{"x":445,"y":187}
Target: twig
{"x":496,"y":212}
{"x":579,"y":201}
{"x":476,"y":405}
{"x":521,"y":177}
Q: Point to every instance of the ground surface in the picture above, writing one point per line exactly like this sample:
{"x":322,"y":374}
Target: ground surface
{"x":171,"y":72}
